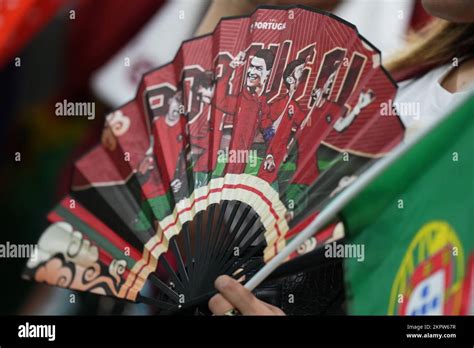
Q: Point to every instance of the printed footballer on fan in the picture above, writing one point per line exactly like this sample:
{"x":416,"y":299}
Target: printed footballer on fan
{"x":276,"y":107}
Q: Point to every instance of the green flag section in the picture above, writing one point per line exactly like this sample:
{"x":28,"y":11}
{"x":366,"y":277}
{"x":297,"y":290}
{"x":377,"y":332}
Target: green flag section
{"x":416,"y":223}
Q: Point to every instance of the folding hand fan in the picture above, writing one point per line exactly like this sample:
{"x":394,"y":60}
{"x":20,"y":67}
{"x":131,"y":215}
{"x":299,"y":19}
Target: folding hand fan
{"x":223,"y":157}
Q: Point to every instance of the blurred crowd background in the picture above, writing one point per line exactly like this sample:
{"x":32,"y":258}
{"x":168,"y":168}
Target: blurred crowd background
{"x":74,"y":50}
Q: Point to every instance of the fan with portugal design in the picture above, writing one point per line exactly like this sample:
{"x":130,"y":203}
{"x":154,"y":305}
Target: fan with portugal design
{"x":225,"y":156}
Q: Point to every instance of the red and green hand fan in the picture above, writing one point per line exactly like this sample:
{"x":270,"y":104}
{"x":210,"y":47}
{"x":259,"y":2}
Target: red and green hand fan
{"x":224,"y":156}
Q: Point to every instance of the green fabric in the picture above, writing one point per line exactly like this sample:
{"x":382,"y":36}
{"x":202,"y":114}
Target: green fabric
{"x":295,"y":198}
{"x":200,"y":179}
{"x":153,"y":209}
{"x":253,"y":169}
{"x":219,"y":170}
{"x":326,"y":164}
{"x":426,"y":192}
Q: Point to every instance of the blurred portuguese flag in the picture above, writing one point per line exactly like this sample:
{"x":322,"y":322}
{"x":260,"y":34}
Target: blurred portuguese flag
{"x":416,"y":222}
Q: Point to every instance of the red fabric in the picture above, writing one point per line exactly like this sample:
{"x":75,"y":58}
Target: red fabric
{"x":174,"y":145}
{"x":99,"y":30}
{"x":278,"y":145}
{"x":246,"y":134}
{"x":20,"y":21}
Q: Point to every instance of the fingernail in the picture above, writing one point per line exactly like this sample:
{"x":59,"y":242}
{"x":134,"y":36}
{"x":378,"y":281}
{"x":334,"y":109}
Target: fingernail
{"x":221,"y":282}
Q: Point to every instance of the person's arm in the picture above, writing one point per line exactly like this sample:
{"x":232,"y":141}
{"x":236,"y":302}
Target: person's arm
{"x":234,"y":296}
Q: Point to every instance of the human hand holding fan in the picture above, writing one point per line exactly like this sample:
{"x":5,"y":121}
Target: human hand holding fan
{"x":223,"y":157}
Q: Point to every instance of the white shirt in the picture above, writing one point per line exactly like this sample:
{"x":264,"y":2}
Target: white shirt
{"x":384,"y":23}
{"x":421,"y":101}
